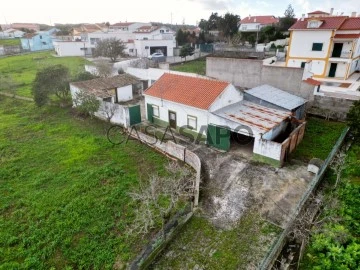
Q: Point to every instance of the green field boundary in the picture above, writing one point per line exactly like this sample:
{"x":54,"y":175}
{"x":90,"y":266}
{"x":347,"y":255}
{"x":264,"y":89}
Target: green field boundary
{"x":276,"y":248}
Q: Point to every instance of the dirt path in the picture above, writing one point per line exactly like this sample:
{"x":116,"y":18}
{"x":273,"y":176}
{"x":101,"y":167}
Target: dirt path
{"x":17,"y":97}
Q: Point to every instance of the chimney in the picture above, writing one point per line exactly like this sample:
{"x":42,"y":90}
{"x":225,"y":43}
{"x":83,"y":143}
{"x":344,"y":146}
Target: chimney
{"x":353,"y":14}
{"x":302,"y":17}
{"x":331,"y":11}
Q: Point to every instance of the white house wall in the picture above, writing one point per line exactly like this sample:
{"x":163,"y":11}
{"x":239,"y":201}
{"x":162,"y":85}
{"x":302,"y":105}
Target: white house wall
{"x":229,"y":96}
{"x":182,"y":112}
{"x":317,"y":67}
{"x":125,"y":93}
{"x":302,"y":42}
{"x":267,"y":148}
{"x":69,"y":48}
{"x":141,"y":45}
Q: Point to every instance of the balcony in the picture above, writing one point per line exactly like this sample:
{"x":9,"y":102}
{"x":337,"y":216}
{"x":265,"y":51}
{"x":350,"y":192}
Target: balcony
{"x":342,"y":54}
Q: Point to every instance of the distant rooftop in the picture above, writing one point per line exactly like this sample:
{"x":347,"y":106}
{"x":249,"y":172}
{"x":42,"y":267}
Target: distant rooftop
{"x":276,"y":96}
{"x":104,"y":87}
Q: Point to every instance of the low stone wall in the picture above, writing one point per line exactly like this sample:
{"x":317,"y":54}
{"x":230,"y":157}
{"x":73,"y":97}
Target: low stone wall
{"x":331,"y":107}
{"x":159,"y":242}
{"x":175,"y":150}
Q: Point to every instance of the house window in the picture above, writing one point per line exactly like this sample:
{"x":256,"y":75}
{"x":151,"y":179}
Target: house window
{"x":40,"y":37}
{"x":303,"y":64}
{"x":161,"y":31}
{"x":146,"y":47}
{"x":145,"y":38}
{"x":44,"y":43}
{"x":317,"y":47}
{"x":314,"y":24}
{"x":131,"y":50}
{"x":192,"y":122}
{"x":243,"y":27}
{"x":156,"y":111}
{"x":167,"y":30}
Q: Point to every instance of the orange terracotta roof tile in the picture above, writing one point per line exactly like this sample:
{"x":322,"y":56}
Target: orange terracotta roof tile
{"x":312,"y":81}
{"x":260,"y":19}
{"x":328,"y":23}
{"x":347,"y":36}
{"x":319,"y":12}
{"x":351,"y":24}
{"x":195,"y":92}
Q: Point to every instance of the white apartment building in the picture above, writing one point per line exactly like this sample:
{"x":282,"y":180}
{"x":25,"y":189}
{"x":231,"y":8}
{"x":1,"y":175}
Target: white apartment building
{"x":330,"y":44}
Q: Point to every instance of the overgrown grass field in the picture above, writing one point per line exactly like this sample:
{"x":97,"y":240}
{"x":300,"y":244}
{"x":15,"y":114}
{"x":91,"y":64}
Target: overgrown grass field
{"x":10,"y":42}
{"x":196,"y":66}
{"x":319,"y":139}
{"x":23,"y":68}
{"x":64,"y":190}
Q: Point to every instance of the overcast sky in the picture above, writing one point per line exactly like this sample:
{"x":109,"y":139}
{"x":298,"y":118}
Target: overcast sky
{"x":190,"y":11}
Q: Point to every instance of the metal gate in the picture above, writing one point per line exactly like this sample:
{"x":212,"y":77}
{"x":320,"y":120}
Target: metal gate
{"x":150,"y":113}
{"x":135,"y":115}
{"x":218,"y":137}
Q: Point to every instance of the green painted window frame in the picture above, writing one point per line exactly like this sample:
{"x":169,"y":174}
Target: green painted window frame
{"x":158,"y":110}
{"x":196,"y":122}
{"x":317,"y":47}
{"x":303,"y":64}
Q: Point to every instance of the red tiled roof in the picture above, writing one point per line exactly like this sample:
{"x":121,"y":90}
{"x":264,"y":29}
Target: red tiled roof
{"x":351,"y":24}
{"x":312,"y":82}
{"x":319,"y":12}
{"x":122,"y":24}
{"x":327,"y":23}
{"x":260,"y":19}
{"x":195,"y":92}
{"x":346,"y":36}
{"x":146,"y":29}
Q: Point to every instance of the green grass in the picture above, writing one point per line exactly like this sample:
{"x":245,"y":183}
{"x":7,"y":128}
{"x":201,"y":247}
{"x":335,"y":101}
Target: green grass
{"x":23,"y":68}
{"x":207,"y":247}
{"x":320,"y":137}
{"x":196,"y":66}
{"x":64,"y":190}
{"x":10,"y":42}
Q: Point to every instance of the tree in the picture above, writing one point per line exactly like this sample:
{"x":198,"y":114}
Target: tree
{"x":181,"y":37}
{"x":213,"y":22}
{"x":186,"y":50}
{"x":204,"y":25}
{"x":229,"y":25}
{"x":159,"y":196}
{"x":111,"y":47}
{"x":353,"y":119}
{"x":51,"y":80}
{"x":286,"y":22}
{"x":109,"y":110}
{"x":86,"y":103}
{"x":103,"y":69}
{"x":84,"y":76}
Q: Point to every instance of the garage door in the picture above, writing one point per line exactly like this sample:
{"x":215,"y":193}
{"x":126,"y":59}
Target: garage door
{"x":155,"y":49}
{"x":218,"y":137}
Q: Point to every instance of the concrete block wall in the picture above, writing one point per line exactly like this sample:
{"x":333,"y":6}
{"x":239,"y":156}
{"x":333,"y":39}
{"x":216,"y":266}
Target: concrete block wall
{"x":251,"y":73}
{"x":331,"y":107}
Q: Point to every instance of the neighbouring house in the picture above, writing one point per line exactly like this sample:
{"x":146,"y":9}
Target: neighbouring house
{"x":39,"y":41}
{"x":151,"y":39}
{"x":272,"y":97}
{"x":217,"y":112}
{"x":142,"y":42}
{"x":255,"y":23}
{"x":11,"y":33}
{"x":120,"y":94}
{"x":329,"y":44}
{"x":127,"y":26}
{"x":29,"y":26}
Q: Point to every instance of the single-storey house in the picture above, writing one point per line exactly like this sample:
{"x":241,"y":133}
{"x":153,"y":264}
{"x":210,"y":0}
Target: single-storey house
{"x":121,"y":94}
{"x":272,"y":97}
{"x":215,"y":111}
{"x":39,"y":41}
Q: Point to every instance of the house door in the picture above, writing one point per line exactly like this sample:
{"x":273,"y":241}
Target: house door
{"x":333,"y":68}
{"x":337,"y":49}
{"x":150,"y":113}
{"x":172,"y":119}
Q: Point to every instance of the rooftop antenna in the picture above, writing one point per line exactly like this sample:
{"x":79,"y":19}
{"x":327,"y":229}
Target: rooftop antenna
{"x":171,"y":18}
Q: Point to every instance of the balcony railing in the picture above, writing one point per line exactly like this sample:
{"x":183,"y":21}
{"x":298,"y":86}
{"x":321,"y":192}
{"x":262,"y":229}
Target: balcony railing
{"x":342,"y":55}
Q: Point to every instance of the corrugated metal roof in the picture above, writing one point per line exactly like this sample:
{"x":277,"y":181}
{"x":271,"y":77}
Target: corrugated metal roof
{"x":276,"y":96}
{"x":257,"y":117}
